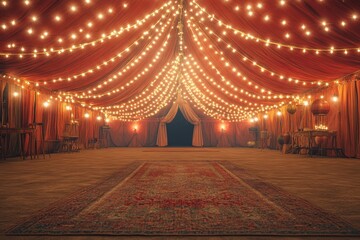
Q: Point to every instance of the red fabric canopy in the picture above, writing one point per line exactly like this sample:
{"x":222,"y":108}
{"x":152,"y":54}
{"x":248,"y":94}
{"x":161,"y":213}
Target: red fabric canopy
{"x":230,"y":60}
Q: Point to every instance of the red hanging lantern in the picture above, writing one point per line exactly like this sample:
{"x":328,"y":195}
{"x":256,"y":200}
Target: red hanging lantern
{"x":320,"y":107}
{"x":291,"y":109}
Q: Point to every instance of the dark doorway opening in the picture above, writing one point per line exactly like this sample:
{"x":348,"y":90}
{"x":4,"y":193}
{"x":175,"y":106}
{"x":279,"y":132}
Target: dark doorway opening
{"x":179,"y":131}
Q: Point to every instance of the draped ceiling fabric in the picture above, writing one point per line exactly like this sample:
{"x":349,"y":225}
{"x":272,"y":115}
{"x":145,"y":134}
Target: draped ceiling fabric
{"x":232,"y":60}
{"x":190,"y":116}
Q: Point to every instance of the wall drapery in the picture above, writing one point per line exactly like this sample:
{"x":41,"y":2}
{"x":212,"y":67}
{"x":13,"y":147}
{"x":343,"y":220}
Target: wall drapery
{"x":343,"y":118}
{"x":190,"y":116}
{"x":122,"y":133}
{"x":349,"y":122}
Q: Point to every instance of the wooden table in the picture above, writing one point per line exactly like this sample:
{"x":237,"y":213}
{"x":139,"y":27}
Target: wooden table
{"x":21,"y":133}
{"x":306,"y":140}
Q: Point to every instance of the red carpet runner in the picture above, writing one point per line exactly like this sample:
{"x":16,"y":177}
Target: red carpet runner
{"x":183,"y":198}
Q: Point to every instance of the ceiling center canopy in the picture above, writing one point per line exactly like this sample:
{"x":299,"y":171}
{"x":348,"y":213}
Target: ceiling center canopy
{"x":228,"y":59}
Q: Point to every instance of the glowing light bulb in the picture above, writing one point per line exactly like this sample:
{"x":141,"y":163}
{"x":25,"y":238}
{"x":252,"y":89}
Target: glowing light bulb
{"x":15,"y":94}
{"x":335,"y":98}
{"x":98,"y":118}
{"x":68,"y":108}
{"x":46,"y":104}
{"x":86,"y":115}
{"x":73,"y":8}
{"x":57,"y":18}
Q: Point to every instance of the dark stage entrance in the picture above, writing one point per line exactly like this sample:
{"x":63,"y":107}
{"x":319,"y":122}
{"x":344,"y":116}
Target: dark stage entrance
{"x":179,"y":131}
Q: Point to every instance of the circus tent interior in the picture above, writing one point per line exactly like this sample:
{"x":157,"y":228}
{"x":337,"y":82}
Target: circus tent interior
{"x":181,"y":80}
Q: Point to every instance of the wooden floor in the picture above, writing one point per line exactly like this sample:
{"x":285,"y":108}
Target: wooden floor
{"x":27,"y":186}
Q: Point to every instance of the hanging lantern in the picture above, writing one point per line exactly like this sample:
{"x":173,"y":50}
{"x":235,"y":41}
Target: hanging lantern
{"x":320,"y":107}
{"x":291,"y":109}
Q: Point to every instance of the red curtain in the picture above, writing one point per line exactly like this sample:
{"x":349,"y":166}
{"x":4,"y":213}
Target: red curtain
{"x":343,"y":118}
{"x":349,"y":117}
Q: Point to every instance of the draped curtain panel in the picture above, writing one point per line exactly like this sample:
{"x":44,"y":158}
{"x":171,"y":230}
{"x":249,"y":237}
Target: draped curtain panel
{"x":162,"y":132}
{"x":122,"y":134}
{"x":210,"y":132}
{"x":190,"y":116}
{"x":223,"y":140}
{"x":135,"y":141}
{"x":2,"y":88}
{"x":349,"y":124}
{"x":218,"y":133}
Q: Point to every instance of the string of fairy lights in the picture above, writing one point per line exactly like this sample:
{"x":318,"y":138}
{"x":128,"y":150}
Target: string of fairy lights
{"x":151,"y":100}
{"x":22,"y":51}
{"x":117,"y":58}
{"x":233,"y":90}
{"x":245,"y":59}
{"x":212,"y":104}
{"x":195,"y":6}
{"x":222,"y":91}
{"x":131,"y":64}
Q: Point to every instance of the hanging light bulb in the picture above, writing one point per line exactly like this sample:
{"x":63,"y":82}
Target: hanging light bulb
{"x":278,"y":113}
{"x":334,"y":98}
{"x":16,"y":94}
{"x":98,"y":118}
{"x":46,"y":104}
{"x":86,"y":115}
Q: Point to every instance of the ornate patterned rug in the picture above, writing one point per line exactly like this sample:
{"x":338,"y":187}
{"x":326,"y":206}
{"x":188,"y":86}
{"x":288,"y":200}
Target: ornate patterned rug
{"x":174,"y":149}
{"x":183,"y":198}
